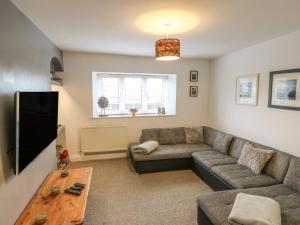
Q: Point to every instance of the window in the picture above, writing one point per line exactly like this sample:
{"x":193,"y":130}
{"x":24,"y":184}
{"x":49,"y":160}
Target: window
{"x":145,"y":92}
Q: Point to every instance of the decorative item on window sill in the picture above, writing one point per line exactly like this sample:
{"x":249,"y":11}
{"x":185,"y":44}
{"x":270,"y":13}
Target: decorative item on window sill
{"x":133,"y":112}
{"x":167,"y":48}
{"x":103,"y":104}
{"x":161,"y":110}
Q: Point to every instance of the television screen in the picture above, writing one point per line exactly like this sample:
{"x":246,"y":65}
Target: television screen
{"x":36,"y":125}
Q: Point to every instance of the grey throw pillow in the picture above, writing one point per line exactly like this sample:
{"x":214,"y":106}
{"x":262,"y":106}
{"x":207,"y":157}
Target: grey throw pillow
{"x":254,"y":158}
{"x":167,"y":137}
{"x":222,"y":142}
{"x":193,"y":135}
{"x":292,"y":178}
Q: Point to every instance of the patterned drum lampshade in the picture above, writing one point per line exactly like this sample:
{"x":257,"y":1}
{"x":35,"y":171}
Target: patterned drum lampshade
{"x":167,"y":49}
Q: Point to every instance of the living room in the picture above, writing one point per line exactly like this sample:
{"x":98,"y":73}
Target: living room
{"x":174,"y":112}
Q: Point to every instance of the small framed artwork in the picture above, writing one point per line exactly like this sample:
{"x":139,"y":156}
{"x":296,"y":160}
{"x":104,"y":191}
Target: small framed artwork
{"x":193,"y":91}
{"x":284,"y":89}
{"x":247,"y":89}
{"x":193,"y":76}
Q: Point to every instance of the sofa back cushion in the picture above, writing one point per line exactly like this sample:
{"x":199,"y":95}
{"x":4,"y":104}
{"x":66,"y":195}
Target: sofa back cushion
{"x":278,"y":165}
{"x":236,"y":147}
{"x":179,"y":135}
{"x":194,"y":135}
{"x":222,"y":142}
{"x":150,"y":134}
{"x":292,"y":178}
{"x":209,"y":135}
{"x":167,"y":136}
{"x":163,"y":136}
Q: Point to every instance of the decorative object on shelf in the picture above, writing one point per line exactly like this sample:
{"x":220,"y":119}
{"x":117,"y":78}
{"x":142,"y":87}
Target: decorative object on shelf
{"x":159,"y":110}
{"x":103,"y":104}
{"x":62,"y":162}
{"x":56,"y":81}
{"x":193,"y":76}
{"x":133,"y":112}
{"x":41,"y":218}
{"x":55,"y":190}
{"x":167,"y":48}
{"x":163,"y":110}
{"x":284,"y":89}
{"x":247,"y":89}
{"x":193,"y":91}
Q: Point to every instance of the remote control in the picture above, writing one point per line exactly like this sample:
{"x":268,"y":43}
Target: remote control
{"x":72,"y":192}
{"x":79,"y":185}
{"x":76,"y":188}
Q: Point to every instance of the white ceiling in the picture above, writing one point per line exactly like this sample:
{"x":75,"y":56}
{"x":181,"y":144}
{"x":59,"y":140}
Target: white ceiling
{"x":111,"y":26}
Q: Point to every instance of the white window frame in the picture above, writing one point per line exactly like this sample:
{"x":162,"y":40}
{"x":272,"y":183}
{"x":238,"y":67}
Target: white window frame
{"x":167,"y":78}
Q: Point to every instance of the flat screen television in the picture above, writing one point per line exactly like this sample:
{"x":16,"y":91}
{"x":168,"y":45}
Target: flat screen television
{"x":36,"y":125}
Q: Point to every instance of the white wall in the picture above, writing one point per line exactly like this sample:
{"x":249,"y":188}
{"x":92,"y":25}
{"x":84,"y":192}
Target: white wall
{"x":76,"y":94}
{"x":274,"y":127}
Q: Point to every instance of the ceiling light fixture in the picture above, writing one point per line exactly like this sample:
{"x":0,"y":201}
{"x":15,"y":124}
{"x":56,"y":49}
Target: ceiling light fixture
{"x":167,"y":48}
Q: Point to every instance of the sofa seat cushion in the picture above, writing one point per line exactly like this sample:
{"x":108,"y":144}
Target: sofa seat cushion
{"x":241,"y":177}
{"x":217,"y":205}
{"x":213,"y":158}
{"x":171,"y":152}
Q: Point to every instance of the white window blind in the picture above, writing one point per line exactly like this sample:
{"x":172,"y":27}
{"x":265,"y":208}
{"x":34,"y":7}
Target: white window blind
{"x":144,"y":92}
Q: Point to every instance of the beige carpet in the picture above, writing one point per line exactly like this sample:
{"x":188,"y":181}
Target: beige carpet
{"x":119,"y":196}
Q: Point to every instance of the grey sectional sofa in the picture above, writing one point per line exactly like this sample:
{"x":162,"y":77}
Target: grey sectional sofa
{"x":215,"y":161}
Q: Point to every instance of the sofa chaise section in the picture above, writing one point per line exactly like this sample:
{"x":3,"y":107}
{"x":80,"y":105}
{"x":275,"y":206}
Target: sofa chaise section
{"x":214,"y":208}
{"x":280,"y":181}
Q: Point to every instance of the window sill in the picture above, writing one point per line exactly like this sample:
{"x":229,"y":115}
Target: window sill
{"x":129,"y":116}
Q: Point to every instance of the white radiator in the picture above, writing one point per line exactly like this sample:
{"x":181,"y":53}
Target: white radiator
{"x":104,"y":140}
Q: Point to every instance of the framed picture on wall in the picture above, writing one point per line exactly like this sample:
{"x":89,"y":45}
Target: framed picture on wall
{"x":193,"y":91}
{"x":193,"y":76}
{"x":284,"y":89}
{"x":247,"y":89}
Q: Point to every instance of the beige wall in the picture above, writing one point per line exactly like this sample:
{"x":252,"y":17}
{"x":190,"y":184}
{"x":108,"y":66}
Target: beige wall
{"x":25,"y":55}
{"x":274,"y":127}
{"x":76,"y":94}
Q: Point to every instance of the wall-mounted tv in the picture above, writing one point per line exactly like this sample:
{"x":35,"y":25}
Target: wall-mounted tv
{"x":36,"y":125}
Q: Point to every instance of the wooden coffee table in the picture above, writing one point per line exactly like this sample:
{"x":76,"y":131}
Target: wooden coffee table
{"x":63,"y":209}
